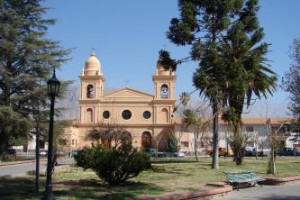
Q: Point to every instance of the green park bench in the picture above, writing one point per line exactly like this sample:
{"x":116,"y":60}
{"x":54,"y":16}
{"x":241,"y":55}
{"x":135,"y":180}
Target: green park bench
{"x":236,"y":178}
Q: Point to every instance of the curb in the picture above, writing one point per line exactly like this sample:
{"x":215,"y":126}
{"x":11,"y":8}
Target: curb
{"x":221,"y":188}
{"x":274,"y":181}
{"x":16,"y":162}
{"x":59,"y":168}
{"x":19,"y":162}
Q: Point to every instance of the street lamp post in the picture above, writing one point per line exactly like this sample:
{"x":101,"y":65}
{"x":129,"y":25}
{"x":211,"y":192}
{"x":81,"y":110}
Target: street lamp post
{"x":53,"y":90}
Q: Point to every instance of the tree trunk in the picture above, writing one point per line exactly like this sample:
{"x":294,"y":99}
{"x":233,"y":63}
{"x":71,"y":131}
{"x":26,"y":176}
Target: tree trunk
{"x":196,"y":147}
{"x":3,"y":142}
{"x":272,"y":163}
{"x":37,"y":163}
{"x":215,"y":160}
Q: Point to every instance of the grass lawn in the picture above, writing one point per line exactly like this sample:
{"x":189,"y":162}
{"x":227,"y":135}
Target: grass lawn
{"x":167,"y":176}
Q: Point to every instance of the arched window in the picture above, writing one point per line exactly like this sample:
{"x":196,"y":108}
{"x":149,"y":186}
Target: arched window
{"x":89,"y":116}
{"x":90,"y":91}
{"x":146,"y":140}
{"x":164,"y":91}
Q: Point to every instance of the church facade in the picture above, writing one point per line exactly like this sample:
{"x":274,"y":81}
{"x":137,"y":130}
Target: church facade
{"x":145,"y":119}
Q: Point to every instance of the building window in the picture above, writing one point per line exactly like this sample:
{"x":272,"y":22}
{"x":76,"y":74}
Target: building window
{"x":89,"y":115}
{"x":249,"y":129}
{"x":90,"y":91}
{"x":164,"y":91}
{"x":106,"y":114}
{"x":147,"y":114}
{"x":285,"y":128}
{"x":126,"y":114}
{"x":184,"y":144}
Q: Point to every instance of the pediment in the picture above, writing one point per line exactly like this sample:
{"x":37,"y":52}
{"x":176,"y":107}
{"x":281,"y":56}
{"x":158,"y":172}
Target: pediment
{"x":127,"y":94}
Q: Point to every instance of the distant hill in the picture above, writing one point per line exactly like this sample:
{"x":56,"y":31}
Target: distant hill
{"x":70,"y":102}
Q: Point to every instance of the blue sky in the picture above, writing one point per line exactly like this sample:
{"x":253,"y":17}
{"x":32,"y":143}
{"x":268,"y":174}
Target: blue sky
{"x":127,"y":36}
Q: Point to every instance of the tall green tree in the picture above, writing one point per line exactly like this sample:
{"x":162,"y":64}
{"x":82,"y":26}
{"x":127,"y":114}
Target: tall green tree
{"x":172,"y":143}
{"x":225,"y":37}
{"x":247,"y":72}
{"x":201,"y":25}
{"x":190,"y":120}
{"x":26,"y":56}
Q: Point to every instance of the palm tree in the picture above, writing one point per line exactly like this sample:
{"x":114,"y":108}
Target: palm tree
{"x":190,"y":119}
{"x":184,"y":98}
{"x":247,"y":74}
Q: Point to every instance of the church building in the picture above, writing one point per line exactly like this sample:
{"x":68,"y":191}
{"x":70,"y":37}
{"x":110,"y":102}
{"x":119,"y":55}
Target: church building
{"x":145,"y":119}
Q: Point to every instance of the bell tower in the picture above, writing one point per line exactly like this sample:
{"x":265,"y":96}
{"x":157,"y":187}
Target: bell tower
{"x":164,"y":97}
{"x":91,"y":89}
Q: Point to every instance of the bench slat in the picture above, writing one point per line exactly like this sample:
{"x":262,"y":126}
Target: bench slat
{"x":242,"y":177}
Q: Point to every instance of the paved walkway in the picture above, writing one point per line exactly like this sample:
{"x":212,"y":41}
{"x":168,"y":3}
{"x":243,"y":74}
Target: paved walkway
{"x":286,"y":191}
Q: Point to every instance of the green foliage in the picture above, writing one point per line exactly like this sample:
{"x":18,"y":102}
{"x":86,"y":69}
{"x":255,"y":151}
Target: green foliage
{"x":17,"y":141}
{"x":231,"y":117}
{"x":189,"y":117}
{"x":185,"y":98}
{"x":238,"y":143}
{"x":226,"y":41}
{"x":115,"y":165}
{"x":172,"y":143}
{"x":58,"y":132}
{"x":13,"y":125}
{"x":26,"y":60}
{"x":8,"y":157}
{"x":166,"y":60}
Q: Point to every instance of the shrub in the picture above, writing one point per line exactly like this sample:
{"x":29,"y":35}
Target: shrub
{"x":172,"y":143}
{"x":238,"y":143}
{"x":115,"y":165}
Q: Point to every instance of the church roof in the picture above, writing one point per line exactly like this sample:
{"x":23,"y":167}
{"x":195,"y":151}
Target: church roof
{"x":92,"y":63}
{"x":128,"y":94}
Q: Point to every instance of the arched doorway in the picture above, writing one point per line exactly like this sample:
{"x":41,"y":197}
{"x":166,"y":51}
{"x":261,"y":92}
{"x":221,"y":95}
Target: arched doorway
{"x":146,"y":140}
{"x":126,"y":138}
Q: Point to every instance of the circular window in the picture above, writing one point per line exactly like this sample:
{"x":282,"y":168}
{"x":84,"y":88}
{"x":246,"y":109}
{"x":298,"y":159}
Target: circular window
{"x":106,"y":114}
{"x":126,"y":114}
{"x":147,"y":114}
